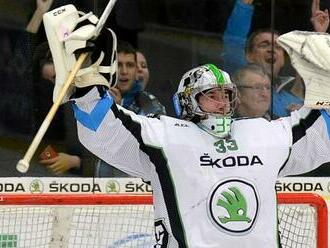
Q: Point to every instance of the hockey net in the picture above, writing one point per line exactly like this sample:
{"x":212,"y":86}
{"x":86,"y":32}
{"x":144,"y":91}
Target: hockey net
{"x":116,"y":221}
{"x":76,"y":221}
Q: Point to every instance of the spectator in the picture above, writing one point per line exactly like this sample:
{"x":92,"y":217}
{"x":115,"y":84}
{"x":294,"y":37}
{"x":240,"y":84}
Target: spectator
{"x":142,"y":74}
{"x":260,"y":48}
{"x":254,"y":89}
{"x":42,"y":7}
{"x":134,"y":97}
{"x":61,"y":131}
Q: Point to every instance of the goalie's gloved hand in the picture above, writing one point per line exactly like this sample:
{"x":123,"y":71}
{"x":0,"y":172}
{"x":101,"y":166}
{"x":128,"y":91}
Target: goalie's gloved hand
{"x":90,"y":48}
{"x":310,"y":55}
{"x":102,"y":60}
{"x":70,"y":32}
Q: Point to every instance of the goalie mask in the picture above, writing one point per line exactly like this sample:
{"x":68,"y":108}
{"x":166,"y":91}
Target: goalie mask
{"x":69,"y":31}
{"x":207,"y":97}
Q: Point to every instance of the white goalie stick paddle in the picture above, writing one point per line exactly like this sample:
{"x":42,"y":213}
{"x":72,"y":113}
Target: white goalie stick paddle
{"x":24,"y":164}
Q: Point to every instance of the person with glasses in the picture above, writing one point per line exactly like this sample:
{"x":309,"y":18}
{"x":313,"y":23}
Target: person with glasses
{"x":254,"y":90}
{"x":260,"y":48}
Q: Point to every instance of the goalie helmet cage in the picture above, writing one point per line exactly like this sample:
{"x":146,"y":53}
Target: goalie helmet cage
{"x":82,"y":220}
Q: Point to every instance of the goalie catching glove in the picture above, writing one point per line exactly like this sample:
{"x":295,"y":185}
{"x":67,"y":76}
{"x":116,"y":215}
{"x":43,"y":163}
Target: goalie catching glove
{"x":310,"y":56}
{"x":70,"y":32}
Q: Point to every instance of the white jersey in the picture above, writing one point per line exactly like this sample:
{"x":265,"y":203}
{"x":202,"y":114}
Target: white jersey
{"x":208,"y":192}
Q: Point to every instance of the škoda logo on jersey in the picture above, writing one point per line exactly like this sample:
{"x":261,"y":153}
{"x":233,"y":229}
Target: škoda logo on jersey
{"x":230,"y":161}
{"x":233,"y":206}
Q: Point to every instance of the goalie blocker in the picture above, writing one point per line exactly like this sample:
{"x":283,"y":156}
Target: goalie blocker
{"x":70,"y":32}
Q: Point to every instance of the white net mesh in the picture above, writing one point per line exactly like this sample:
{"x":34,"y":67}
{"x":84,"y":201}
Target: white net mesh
{"x":31,"y":225}
{"x":297,"y":226}
{"x":76,"y":227}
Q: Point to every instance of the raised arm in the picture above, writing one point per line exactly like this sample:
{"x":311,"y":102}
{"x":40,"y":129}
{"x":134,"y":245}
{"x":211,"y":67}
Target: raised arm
{"x":309,"y":54}
{"x":117,"y":136}
{"x":234,"y":38}
{"x":310,"y":138}
{"x":319,"y":18}
{"x":35,"y":22}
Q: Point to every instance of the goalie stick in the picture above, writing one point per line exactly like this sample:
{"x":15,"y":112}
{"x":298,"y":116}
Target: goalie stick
{"x":24,"y":164}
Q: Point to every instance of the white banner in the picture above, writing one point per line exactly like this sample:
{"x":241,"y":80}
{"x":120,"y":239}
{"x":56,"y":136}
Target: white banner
{"x":66,"y":185}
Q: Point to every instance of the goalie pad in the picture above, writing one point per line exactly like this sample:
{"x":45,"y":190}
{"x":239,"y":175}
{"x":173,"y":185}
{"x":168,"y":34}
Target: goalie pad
{"x":69,"y":31}
{"x":310,"y":56}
